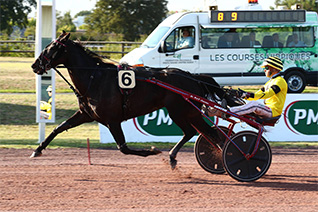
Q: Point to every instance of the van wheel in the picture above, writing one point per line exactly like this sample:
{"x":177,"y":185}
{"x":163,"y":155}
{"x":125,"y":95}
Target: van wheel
{"x":296,"y":81}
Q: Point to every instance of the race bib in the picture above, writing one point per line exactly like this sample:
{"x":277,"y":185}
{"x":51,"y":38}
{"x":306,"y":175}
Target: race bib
{"x":126,"y":79}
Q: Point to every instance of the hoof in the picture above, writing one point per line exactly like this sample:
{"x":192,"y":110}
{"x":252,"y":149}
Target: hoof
{"x":155,"y":150}
{"x":173,"y":162}
{"x":36,"y":154}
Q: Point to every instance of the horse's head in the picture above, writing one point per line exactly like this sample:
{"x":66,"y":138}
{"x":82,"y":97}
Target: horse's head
{"x":52,"y":55}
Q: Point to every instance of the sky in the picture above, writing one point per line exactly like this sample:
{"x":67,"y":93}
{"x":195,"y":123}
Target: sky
{"x":177,"y":5}
{"x":76,"y":6}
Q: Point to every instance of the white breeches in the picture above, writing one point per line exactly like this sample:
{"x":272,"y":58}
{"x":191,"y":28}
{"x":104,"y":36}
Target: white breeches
{"x":253,"y":107}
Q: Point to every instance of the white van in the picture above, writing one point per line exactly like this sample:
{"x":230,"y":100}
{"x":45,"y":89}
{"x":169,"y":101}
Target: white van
{"x":231,"y":45}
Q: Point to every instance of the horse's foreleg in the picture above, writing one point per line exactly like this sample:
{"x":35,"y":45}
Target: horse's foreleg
{"x":119,"y":137}
{"x":77,"y":119}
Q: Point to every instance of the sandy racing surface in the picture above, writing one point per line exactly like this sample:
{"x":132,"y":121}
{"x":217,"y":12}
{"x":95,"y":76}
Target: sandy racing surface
{"x":62,"y":180}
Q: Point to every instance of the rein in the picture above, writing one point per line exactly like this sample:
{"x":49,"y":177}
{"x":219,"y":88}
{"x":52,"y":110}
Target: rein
{"x":71,"y":86}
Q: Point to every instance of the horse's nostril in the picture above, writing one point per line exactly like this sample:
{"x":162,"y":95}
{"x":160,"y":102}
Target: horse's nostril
{"x":34,"y":66}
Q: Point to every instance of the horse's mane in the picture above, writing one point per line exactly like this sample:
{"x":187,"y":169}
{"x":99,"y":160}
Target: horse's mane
{"x":91,"y":54}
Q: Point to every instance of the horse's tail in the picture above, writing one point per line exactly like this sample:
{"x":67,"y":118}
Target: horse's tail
{"x":210,"y":86}
{"x":213,"y":90}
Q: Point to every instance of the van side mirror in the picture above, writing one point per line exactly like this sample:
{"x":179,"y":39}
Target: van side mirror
{"x":163,"y":47}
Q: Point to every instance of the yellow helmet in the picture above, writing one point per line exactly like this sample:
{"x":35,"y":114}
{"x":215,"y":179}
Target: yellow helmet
{"x":273,"y":62}
{"x":49,"y":88}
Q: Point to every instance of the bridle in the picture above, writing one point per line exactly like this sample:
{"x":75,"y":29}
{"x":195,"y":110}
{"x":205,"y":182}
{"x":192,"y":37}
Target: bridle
{"x":48,"y":65}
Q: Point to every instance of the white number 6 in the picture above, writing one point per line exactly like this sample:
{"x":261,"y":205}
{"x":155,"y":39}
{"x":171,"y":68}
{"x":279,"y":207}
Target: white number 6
{"x":126,"y":79}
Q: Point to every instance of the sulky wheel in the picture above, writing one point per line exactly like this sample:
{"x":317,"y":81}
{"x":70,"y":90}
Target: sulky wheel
{"x":208,"y":157}
{"x":238,"y":166}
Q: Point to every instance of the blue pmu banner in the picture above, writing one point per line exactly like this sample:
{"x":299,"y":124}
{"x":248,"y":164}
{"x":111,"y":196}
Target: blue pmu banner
{"x":299,"y":122}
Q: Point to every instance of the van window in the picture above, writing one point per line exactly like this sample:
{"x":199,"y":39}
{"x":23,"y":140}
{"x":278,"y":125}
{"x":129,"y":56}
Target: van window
{"x":257,"y":37}
{"x":181,"y":38}
{"x":154,"y":38}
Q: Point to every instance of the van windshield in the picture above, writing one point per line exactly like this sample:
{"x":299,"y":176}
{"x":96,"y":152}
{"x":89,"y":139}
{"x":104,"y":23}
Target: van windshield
{"x":154,"y":38}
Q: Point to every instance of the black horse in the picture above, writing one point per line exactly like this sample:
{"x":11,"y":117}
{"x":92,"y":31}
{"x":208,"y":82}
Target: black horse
{"x":101,"y":99}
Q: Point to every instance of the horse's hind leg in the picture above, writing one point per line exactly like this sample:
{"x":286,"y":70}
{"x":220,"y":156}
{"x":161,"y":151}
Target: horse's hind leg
{"x":189,"y":125}
{"x":202,"y":127}
{"x":77,"y":119}
{"x":119,"y":137}
{"x":179,"y":118}
{"x":189,"y":132}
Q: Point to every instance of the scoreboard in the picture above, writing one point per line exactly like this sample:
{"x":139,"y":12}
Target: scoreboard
{"x":258,"y":16}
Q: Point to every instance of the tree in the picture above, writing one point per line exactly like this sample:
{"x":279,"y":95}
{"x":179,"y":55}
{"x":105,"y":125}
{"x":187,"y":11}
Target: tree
{"x":309,"y":5}
{"x":130,"y":18}
{"x":65,"y":23}
{"x":83,"y":13}
{"x":14,"y":13}
{"x":30,"y":29}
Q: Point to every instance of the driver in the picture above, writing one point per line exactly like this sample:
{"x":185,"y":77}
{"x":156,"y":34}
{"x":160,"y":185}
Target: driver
{"x":46,"y":107}
{"x":187,"y":40}
{"x":274,"y":93}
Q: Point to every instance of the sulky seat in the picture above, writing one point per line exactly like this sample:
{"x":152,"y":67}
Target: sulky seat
{"x":263,"y":121}
{"x":268,"y":121}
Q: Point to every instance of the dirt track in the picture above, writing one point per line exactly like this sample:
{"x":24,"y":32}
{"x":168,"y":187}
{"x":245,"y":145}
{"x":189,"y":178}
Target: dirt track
{"x":62,"y":180}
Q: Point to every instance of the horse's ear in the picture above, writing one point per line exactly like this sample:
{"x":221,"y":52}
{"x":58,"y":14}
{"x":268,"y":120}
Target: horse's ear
{"x":66,"y":36}
{"x":62,"y":34}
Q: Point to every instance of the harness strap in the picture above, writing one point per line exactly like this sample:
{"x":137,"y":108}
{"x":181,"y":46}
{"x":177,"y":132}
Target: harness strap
{"x":125,"y":93}
{"x":59,"y":42}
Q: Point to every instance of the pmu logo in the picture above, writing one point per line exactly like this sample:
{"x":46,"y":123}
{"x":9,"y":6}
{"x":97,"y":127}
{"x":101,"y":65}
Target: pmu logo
{"x":157,"y":123}
{"x":302,"y":117}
